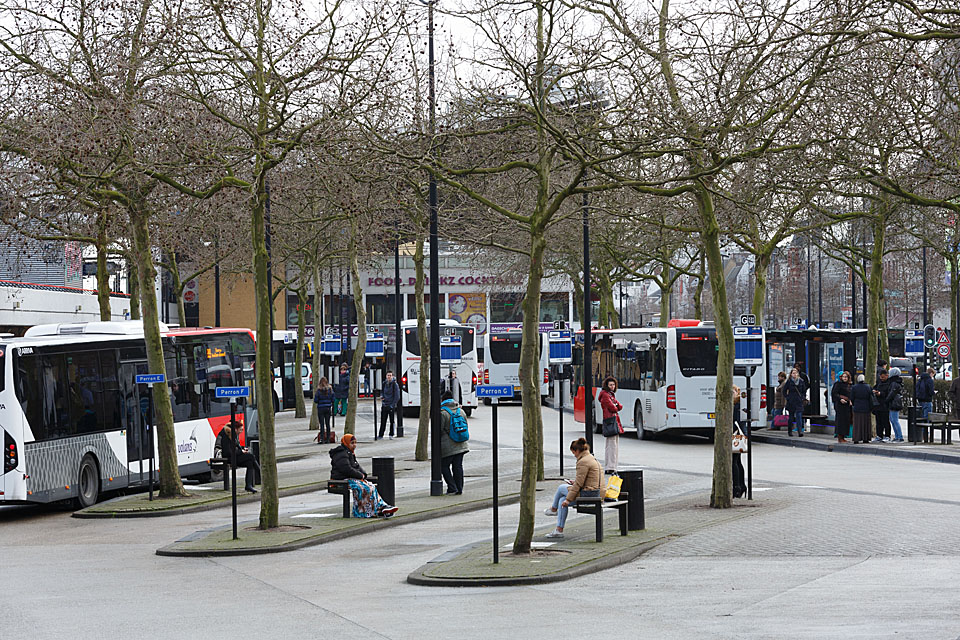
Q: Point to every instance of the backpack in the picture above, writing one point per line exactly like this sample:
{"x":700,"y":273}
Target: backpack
{"x":458,"y":426}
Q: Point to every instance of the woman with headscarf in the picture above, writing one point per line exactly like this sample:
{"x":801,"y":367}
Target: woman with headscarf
{"x":842,"y":406}
{"x":344,"y":466}
{"x":861,"y":401}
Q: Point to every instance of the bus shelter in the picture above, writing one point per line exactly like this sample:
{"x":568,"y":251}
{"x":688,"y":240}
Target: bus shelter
{"x":823,"y":354}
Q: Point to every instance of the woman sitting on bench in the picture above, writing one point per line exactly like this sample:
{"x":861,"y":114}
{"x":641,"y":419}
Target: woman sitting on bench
{"x":587,"y":484}
{"x":366,"y":500}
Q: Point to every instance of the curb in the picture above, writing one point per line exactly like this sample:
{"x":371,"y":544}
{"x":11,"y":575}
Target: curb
{"x":203,"y":506}
{"x":371,"y":525}
{"x":592,"y":566}
{"x":866,"y":450}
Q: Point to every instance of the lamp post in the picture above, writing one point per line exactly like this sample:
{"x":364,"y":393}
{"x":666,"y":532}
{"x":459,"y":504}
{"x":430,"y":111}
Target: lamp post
{"x":436,"y":483}
{"x":587,"y":333}
{"x":398,"y":310}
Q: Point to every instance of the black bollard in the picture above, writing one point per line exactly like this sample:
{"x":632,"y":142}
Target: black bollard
{"x":383,"y":469}
{"x":633,"y":485}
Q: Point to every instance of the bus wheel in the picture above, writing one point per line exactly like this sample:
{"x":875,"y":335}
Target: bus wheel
{"x":88,"y":483}
{"x":638,"y":422}
{"x":469,"y":411}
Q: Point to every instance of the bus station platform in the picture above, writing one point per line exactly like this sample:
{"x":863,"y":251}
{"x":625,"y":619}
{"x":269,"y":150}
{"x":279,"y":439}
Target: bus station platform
{"x":926,"y":451}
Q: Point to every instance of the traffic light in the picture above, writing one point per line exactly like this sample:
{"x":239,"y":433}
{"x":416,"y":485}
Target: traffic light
{"x":929,"y":336}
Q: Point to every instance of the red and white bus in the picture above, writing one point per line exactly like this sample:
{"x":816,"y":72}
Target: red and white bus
{"x":75,"y":424}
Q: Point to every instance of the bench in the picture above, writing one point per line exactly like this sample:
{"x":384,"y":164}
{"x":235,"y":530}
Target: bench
{"x":223,"y":466}
{"x":596,"y":504}
{"x":342,"y":487}
{"x":941,"y":422}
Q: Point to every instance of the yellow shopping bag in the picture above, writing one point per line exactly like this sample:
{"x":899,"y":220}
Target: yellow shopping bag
{"x":613,"y":487}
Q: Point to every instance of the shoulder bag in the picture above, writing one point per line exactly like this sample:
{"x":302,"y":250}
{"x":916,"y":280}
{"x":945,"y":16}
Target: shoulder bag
{"x":739,"y":440}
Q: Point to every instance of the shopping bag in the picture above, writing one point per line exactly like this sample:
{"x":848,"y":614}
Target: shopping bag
{"x":739,"y":441}
{"x":613,"y":488}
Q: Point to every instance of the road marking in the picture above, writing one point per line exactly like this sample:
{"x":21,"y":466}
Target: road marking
{"x":313,"y":515}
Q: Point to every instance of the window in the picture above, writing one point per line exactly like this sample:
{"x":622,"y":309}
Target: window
{"x":411,"y":340}
{"x":412,"y":305}
{"x":381,"y":309}
{"x":697,"y":351}
{"x":56,"y":405}
{"x":292,"y":303}
{"x":554,"y":306}
{"x":505,"y":349}
{"x":505,"y":307}
{"x":348,"y":312}
{"x":30,"y":393}
{"x":86,"y":394}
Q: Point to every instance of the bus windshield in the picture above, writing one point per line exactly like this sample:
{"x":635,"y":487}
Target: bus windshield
{"x":412,"y":340}
{"x":505,"y":349}
{"x":697,"y":351}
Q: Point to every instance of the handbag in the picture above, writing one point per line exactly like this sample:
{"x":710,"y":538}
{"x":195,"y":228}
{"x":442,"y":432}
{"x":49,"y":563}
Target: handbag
{"x":613,"y":487}
{"x":874,"y":400}
{"x":781,"y":420}
{"x":610,"y":427}
{"x":739,"y":441}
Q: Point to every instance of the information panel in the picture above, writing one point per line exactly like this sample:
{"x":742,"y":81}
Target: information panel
{"x":451,"y":350}
{"x":748,"y":346}
{"x":561,"y":347}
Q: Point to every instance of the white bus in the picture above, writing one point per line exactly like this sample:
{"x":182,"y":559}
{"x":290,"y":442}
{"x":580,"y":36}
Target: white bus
{"x":502,"y":364}
{"x":466,"y":370}
{"x":667,"y":378}
{"x":75,"y":424}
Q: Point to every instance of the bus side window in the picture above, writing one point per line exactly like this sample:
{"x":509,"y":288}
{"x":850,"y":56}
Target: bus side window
{"x":29,"y":392}
{"x":56,"y":406}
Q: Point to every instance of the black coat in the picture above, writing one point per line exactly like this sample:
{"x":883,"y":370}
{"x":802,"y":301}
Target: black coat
{"x":925,"y":388}
{"x":894,"y":399}
{"x":860,"y":394}
{"x":884,"y":388}
{"x":840,"y":389}
{"x":343,"y":464}
{"x":341,"y":388}
{"x":794,"y":392}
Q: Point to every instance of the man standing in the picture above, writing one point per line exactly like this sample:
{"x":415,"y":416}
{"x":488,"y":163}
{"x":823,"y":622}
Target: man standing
{"x":925,"y":392}
{"x":451,"y":384}
{"x":391,"y":397}
{"x":341,"y":390}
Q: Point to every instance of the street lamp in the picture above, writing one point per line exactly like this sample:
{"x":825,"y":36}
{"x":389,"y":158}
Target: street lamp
{"x":587,"y":332}
{"x":398,"y":307}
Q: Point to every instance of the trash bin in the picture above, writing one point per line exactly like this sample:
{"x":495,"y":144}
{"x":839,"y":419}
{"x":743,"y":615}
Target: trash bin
{"x":633,"y":484}
{"x":255,"y":450}
{"x":386,"y":480}
{"x":913,"y":433}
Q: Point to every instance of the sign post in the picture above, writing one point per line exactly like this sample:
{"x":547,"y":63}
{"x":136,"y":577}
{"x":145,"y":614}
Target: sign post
{"x":233,"y":393}
{"x":495,"y":393}
{"x":748,"y":352}
{"x":150,"y":379}
{"x":560,"y":343}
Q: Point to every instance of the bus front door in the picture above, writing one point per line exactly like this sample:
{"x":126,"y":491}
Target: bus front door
{"x":136,"y":421}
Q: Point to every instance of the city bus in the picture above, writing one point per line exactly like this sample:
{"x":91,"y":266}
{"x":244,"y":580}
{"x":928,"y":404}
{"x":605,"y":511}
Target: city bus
{"x":75,"y":424}
{"x":502,"y":363}
{"x":466,"y":370}
{"x":667,"y":378}
{"x":283,"y":355}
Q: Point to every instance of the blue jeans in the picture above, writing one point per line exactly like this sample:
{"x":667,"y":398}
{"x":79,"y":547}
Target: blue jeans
{"x":560,"y":496}
{"x":895,"y":422}
{"x":796,"y":421}
{"x":925,"y":409}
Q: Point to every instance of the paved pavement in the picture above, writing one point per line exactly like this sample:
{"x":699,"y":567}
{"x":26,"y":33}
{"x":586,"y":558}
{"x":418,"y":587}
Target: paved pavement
{"x":865,"y":547}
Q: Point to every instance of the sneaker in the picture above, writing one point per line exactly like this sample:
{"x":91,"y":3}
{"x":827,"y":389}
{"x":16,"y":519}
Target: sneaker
{"x":887,"y":439}
{"x":898,"y":439}
{"x":877,"y":439}
{"x":251,"y":490}
{"x":388,"y":511}
{"x":549,"y":512}
{"x":555,"y":535}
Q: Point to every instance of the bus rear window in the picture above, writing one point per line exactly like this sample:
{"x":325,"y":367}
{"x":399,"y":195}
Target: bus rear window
{"x":412,"y":340}
{"x":504,"y":349}
{"x":697,"y":351}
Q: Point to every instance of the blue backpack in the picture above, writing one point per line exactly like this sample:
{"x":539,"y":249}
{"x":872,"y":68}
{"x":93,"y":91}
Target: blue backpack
{"x":458,"y":426}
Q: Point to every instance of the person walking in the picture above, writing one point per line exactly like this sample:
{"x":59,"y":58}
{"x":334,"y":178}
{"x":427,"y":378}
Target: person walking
{"x":795,"y":394}
{"x":881,"y":410}
{"x":842,"y":406}
{"x":803,"y":373}
{"x":388,"y":406}
{"x":611,"y":424}
{"x":341,"y":390}
{"x":779,"y":402}
{"x":861,"y":398}
{"x":586,"y":484}
{"x":451,"y":451}
{"x":323,"y":399}
{"x":244,"y":458}
{"x":367,"y":374}
{"x":895,"y":402}
{"x":925,"y":392}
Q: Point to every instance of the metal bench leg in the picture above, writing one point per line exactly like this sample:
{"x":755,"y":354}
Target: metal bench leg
{"x":599,"y":524}
{"x":346,"y":503}
{"x":623,"y":519}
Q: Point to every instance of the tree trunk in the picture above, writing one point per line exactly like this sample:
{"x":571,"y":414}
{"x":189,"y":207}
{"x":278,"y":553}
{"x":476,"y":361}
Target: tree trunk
{"x":423,"y":426}
{"x":721,"y":496}
{"x":664,"y":303}
{"x":103,"y":276}
{"x":762,"y":266}
{"x":134,"y":279}
{"x":698,"y":293}
{"x":170,"y":483}
{"x":578,"y":296}
{"x":875,"y":309}
{"x":177,"y":289}
{"x":301,"y":410}
{"x":530,"y":392}
{"x":317,"y":333}
{"x":269,"y":498}
{"x":350,"y":424}
{"x":954,"y":317}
